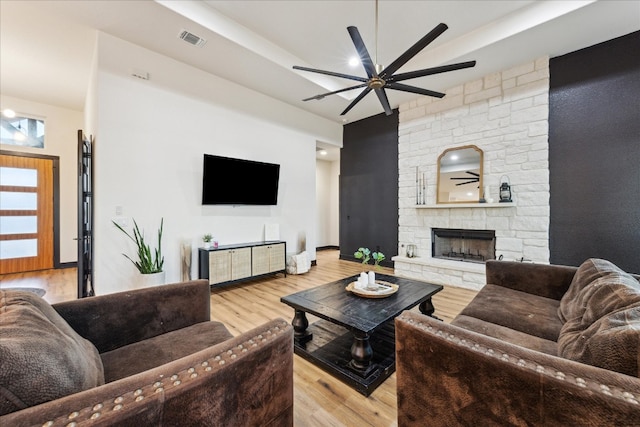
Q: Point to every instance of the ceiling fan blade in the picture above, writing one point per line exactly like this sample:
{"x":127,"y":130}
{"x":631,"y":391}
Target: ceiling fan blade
{"x":322,"y":95}
{"x":430,"y":71}
{"x":382,"y":96}
{"x":413,"y":50}
{"x":331,"y":73}
{"x":363,"y":53}
{"x":413,"y":89}
{"x":355,"y":101}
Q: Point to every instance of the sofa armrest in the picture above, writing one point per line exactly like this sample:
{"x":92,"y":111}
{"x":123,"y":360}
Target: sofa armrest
{"x":114,"y":320}
{"x":549,"y":281}
{"x":450,"y":376}
{"x":247,"y":380}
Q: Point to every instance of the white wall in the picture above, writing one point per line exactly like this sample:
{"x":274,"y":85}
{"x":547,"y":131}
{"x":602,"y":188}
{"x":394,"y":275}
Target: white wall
{"x":327,"y":200}
{"x":91,"y":99}
{"x":506,"y":115}
{"x":150,"y":140}
{"x":61,"y":128}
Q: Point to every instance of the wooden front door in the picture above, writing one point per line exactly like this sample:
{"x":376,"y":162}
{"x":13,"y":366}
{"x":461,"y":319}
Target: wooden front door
{"x":26,"y":213}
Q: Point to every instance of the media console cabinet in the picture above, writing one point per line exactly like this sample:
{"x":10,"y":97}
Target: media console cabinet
{"x":231,"y":263}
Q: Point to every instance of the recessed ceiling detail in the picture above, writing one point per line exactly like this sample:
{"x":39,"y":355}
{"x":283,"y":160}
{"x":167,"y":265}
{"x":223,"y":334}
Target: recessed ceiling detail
{"x":260,"y":41}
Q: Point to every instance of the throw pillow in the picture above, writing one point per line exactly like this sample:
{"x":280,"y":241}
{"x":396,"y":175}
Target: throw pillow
{"x":572,"y":305}
{"x":607,"y":331}
{"x":43,"y":358}
{"x":611,"y":342}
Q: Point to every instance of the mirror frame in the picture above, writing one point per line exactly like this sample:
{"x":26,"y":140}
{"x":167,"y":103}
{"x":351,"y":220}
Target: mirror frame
{"x":480,"y":182}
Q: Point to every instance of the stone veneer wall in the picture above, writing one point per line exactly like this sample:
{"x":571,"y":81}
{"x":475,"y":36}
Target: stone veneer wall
{"x":506,"y":115}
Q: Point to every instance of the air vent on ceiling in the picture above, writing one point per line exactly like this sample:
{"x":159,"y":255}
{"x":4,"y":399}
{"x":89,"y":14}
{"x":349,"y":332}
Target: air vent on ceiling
{"x":192,"y":38}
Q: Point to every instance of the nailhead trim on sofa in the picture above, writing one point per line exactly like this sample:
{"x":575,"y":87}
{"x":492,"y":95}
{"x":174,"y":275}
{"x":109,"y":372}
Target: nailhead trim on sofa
{"x":174,"y":380}
{"x":565,"y":376}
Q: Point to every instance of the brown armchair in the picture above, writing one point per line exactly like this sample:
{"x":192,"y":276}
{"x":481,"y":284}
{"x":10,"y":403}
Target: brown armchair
{"x":164,"y":363}
{"x":501,"y":361}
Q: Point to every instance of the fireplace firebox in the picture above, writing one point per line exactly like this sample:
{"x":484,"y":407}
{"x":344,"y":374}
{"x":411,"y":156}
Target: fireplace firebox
{"x":463,"y":245}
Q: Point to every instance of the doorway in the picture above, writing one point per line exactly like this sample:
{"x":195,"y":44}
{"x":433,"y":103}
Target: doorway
{"x":28,"y":185}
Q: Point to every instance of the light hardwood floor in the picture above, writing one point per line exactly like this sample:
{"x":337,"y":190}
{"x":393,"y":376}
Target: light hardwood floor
{"x":320,"y":399}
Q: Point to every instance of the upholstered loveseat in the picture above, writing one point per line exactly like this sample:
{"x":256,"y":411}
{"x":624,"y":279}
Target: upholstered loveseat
{"x":146,"y":357}
{"x":539,"y":345}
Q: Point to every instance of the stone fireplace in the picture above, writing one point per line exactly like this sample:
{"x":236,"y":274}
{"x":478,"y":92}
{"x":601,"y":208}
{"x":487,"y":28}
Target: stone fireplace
{"x":463,"y":245}
{"x":505,"y":114}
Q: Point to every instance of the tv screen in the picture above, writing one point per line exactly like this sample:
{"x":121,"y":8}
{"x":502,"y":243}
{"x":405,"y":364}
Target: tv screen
{"x":228,"y":181}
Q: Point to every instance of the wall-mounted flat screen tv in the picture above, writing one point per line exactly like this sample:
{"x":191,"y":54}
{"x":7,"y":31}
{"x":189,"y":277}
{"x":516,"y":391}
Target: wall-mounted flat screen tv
{"x":229,"y":181}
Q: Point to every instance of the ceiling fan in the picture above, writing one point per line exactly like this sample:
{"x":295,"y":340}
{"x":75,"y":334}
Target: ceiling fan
{"x":378,"y":79}
{"x":470,"y":179}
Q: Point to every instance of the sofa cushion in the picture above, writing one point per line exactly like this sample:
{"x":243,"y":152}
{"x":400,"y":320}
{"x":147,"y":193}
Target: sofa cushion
{"x":572,"y":304}
{"x":520,"y":311}
{"x":43,"y":358}
{"x":150,"y":353}
{"x":506,"y":334}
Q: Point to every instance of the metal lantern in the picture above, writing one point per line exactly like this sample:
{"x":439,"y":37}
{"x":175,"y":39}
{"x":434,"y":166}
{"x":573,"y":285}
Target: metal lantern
{"x":505,"y":190}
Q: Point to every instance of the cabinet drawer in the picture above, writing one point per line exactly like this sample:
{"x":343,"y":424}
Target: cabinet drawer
{"x":240,"y":263}
{"x":260,"y":260}
{"x":276,"y":257}
{"x":219,"y":267}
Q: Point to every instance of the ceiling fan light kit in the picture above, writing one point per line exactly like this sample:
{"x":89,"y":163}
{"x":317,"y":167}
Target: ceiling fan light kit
{"x":378,"y":78}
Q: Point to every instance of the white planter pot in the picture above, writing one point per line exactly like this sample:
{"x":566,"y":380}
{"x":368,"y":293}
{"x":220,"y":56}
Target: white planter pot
{"x":148,"y":280}
{"x":207,"y":245}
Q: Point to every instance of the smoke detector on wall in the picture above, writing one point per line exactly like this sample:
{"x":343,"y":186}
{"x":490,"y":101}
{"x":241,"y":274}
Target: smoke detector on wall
{"x":192,"y":38}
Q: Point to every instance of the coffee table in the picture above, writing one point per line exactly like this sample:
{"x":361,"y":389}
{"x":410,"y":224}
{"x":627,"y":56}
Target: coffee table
{"x":354,"y":340}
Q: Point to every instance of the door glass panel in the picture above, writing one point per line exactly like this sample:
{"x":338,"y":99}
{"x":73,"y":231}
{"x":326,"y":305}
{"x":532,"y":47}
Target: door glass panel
{"x":18,"y":224}
{"x":19,"y":177}
{"x":11,"y":200}
{"x":18,"y":248}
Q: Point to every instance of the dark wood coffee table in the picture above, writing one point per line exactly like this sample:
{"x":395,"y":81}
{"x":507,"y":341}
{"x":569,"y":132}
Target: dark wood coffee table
{"x":354,"y":339}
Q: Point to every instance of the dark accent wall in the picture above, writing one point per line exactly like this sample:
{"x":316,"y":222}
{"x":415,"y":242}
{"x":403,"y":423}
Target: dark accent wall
{"x":594,"y":154}
{"x":369,"y":186}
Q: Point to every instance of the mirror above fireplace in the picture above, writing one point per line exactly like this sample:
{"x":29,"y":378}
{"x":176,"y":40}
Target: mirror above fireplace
{"x":460,"y":175}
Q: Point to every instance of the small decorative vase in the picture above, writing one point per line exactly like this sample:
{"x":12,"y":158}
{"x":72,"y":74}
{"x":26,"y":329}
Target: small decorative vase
{"x":411,"y":251}
{"x":207,"y":245}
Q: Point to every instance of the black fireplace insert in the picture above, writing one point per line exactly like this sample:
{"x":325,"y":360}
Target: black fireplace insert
{"x":463,"y":245}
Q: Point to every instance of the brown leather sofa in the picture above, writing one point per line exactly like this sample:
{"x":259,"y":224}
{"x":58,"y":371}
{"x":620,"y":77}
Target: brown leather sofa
{"x":147,"y":357}
{"x":539,"y":345}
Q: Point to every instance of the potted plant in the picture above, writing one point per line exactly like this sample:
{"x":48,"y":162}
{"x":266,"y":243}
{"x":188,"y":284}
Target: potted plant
{"x":365,"y":255}
{"x":207,"y":238}
{"x":148,"y":263}
{"x":377,"y":257}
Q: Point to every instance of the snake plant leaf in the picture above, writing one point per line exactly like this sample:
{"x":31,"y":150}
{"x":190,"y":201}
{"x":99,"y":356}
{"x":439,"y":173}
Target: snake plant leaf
{"x":147,"y":262}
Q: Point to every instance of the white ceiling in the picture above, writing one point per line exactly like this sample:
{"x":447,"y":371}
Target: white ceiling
{"x":47,"y":46}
